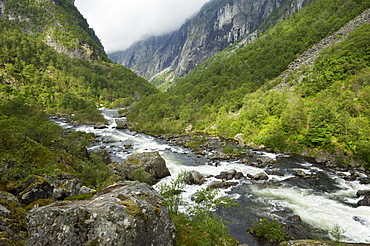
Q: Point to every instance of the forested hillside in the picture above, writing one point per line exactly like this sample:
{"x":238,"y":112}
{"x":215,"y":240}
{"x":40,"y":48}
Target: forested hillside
{"x":42,"y":43}
{"x":51,"y":62}
{"x":323,"y":107}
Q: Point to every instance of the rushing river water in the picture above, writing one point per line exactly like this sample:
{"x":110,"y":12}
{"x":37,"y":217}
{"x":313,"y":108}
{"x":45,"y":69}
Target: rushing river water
{"x":323,"y":202}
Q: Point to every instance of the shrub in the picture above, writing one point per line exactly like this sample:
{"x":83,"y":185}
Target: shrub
{"x":272,"y":230}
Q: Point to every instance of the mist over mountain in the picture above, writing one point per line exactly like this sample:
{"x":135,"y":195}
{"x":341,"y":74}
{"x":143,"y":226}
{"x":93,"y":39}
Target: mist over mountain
{"x":219,"y":24}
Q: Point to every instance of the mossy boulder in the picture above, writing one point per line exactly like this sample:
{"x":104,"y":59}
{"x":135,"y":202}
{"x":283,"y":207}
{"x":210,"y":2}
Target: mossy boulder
{"x":145,"y":167}
{"x":13,"y":229}
{"x":129,"y":213}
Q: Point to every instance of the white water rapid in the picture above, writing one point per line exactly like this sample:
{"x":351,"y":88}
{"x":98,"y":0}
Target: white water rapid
{"x":324,"y":202}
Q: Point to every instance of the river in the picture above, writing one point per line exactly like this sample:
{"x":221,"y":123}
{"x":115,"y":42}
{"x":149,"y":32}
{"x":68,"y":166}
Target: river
{"x":322,"y":202}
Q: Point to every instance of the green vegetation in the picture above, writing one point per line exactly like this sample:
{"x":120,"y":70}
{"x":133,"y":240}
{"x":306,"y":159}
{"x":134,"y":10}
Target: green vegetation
{"x":202,"y":227}
{"x":171,"y":192}
{"x":36,"y":80}
{"x":32,"y":70}
{"x":337,"y":235}
{"x":140,"y":175}
{"x":271,"y":230}
{"x":36,"y":73}
{"x":32,"y":146}
{"x":323,"y":107}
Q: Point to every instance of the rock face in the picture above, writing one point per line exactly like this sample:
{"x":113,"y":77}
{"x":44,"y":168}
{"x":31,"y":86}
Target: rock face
{"x":146,"y":167}
{"x":60,"y":187}
{"x":128,"y":213}
{"x":218,"y":24}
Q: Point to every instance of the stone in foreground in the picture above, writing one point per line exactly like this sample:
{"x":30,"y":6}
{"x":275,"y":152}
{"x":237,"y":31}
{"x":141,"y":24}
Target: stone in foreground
{"x":128,"y":213}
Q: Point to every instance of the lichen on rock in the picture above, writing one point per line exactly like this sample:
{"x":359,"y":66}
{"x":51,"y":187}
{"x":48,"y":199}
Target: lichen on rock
{"x":128,"y":213}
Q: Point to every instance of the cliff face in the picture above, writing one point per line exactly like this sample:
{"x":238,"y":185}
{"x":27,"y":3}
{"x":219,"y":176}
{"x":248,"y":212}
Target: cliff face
{"x":219,"y":24}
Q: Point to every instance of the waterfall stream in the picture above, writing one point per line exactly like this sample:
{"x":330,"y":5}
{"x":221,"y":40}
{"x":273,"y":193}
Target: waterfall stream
{"x":323,"y":202}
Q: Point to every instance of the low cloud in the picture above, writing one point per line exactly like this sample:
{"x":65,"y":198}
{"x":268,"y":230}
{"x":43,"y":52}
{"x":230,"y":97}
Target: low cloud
{"x":119,"y":23}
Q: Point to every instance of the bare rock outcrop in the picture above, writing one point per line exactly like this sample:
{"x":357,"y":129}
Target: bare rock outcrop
{"x":218,"y":24}
{"x":128,"y":213}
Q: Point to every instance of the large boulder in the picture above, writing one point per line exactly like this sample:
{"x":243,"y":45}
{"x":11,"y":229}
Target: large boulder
{"x":194,"y":177}
{"x":147,"y":167}
{"x":13,"y":227}
{"x":128,"y":213}
{"x":121,"y":123}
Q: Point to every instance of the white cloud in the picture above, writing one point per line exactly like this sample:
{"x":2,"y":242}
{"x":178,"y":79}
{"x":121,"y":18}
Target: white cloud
{"x":119,"y":23}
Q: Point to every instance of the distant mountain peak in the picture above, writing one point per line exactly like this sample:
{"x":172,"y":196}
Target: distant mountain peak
{"x":219,"y":24}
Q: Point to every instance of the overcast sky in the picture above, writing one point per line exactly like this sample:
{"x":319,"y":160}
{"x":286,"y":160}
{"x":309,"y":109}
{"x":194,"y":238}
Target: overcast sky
{"x":119,"y":23}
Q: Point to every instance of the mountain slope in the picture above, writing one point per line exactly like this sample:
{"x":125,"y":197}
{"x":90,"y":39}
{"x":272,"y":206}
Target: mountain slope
{"x":219,"y":24}
{"x":58,"y":23}
{"x":50,"y":55}
{"x":232,"y":93}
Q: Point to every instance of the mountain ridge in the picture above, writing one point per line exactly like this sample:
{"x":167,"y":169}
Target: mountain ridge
{"x":218,"y":24}
{"x":230,"y":94}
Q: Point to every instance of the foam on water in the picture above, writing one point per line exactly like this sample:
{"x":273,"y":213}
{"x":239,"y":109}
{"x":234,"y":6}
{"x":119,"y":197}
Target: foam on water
{"x":321,"y":210}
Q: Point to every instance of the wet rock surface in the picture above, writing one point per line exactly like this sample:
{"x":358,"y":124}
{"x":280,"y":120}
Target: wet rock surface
{"x":194,"y":177}
{"x":128,"y":213}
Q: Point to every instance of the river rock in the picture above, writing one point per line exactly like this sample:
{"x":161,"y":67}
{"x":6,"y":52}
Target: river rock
{"x":276,"y":172}
{"x":194,"y":177}
{"x":13,"y":226}
{"x":364,"y":202}
{"x":265,"y":160}
{"x":363,"y":193}
{"x":221,"y":184}
{"x":121,"y":123}
{"x":100,"y":126}
{"x":222,"y":175}
{"x":325,"y":158}
{"x":219,"y":155}
{"x":128,"y":213}
{"x":149,"y":166}
{"x":301,"y":174}
{"x":251,"y":153}
{"x":259,"y":176}
{"x":231,"y":174}
{"x":239,"y":175}
{"x":239,"y":138}
{"x":103,"y":154}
